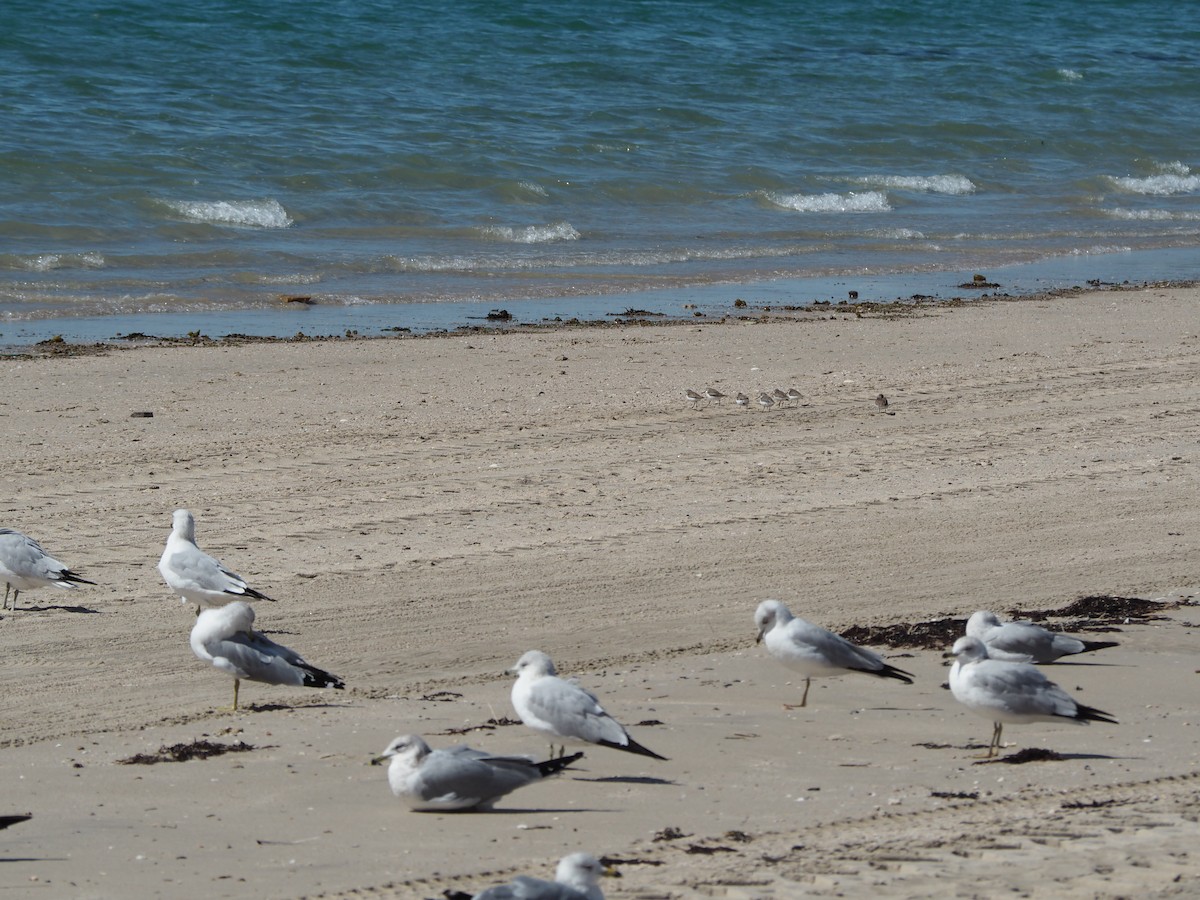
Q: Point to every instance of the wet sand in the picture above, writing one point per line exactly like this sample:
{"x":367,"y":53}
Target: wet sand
{"x":427,"y":510}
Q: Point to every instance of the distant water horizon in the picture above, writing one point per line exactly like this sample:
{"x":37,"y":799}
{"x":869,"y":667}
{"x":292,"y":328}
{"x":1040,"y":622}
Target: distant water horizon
{"x":169,"y":170}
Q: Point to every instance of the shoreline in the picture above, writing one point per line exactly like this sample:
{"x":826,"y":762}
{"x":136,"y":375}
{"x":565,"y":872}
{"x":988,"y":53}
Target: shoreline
{"x":426,"y":511}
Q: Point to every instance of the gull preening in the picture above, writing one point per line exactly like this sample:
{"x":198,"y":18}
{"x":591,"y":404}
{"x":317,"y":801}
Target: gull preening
{"x":576,"y":878}
{"x":25,"y":566}
{"x":1024,"y":641}
{"x":458,"y":778}
{"x":816,"y":652}
{"x":1015,"y":692}
{"x":562,"y":709}
{"x":225,"y":637}
{"x":196,"y":576}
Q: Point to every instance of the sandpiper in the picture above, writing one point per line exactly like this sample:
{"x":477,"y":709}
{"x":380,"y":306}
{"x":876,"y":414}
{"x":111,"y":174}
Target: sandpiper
{"x":779,"y":396}
{"x":794,"y":395}
{"x":741,"y":400}
{"x":693,"y":397}
{"x":765,"y":401}
{"x":713,"y":394}
{"x":881,"y":401}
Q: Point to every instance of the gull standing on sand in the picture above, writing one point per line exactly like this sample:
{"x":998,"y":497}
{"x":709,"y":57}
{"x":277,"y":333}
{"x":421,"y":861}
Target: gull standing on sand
{"x":813,"y":651}
{"x":1014,"y":692}
{"x":196,"y":576}
{"x":225,"y":637}
{"x":1024,"y":641}
{"x":564,"y":710}
{"x":576,"y":878}
{"x":458,"y":778}
{"x":25,"y":566}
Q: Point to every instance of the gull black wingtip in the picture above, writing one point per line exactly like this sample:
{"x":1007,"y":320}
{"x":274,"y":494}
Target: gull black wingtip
{"x":554,"y":766}
{"x":72,"y":577}
{"x":633,"y":747}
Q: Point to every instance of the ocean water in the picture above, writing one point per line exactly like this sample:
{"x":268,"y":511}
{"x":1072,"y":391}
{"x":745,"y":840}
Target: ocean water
{"x":171,"y":167}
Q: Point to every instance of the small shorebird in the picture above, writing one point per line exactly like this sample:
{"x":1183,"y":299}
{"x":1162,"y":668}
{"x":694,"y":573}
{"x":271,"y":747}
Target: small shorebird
{"x":1024,"y":641}
{"x":225,"y":637}
{"x":713,"y":394}
{"x":196,"y":576}
{"x":881,"y":401}
{"x":780,"y":396}
{"x":564,"y":710}
{"x":741,"y":400}
{"x":794,"y":395}
{"x":1014,"y":692}
{"x":24,"y":566}
{"x":813,"y":651}
{"x":765,"y":401}
{"x":693,"y":397}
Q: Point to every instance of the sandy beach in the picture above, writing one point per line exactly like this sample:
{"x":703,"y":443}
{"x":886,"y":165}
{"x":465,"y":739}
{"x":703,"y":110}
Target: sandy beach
{"x":426,"y":510}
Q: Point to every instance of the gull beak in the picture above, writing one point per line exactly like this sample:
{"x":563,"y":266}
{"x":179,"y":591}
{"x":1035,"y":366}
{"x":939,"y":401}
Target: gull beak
{"x":379,"y":760}
{"x":758,"y":639}
{"x":949,"y":654}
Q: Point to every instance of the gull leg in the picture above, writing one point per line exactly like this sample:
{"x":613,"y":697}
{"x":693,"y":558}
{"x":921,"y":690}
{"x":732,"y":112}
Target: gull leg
{"x":7,"y":588}
{"x":803,"y":700}
{"x":996,"y":744}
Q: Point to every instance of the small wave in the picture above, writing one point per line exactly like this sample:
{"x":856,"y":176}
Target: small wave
{"x":1161,"y":185}
{"x":932,"y":184}
{"x":533,"y":188}
{"x":867,"y":201}
{"x":253,"y":213}
{"x":1070,"y":75}
{"x":1151,"y":215}
{"x":48,"y":262}
{"x":532,"y":234}
{"x":898,"y":234}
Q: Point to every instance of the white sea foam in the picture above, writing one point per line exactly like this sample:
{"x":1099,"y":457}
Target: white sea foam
{"x":930,"y":184}
{"x":1151,"y":215}
{"x":1174,"y":178}
{"x":1070,"y":75}
{"x":898,"y":234}
{"x":533,"y":188}
{"x":246,"y":213}
{"x":853,"y":202}
{"x":532,"y":234}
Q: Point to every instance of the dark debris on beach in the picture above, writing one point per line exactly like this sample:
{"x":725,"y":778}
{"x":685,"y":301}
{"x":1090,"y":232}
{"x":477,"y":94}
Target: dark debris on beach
{"x":1094,"y":613}
{"x":197,"y":749}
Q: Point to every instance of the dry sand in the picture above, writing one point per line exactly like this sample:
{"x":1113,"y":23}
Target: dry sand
{"x":426,"y":510}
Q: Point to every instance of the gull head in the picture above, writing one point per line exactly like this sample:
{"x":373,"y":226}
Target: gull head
{"x":534,"y":662}
{"x":183,"y":523}
{"x":981,"y":621}
{"x":768,"y":615}
{"x":968,"y":649}
{"x":408,"y":746}
{"x":580,"y":871}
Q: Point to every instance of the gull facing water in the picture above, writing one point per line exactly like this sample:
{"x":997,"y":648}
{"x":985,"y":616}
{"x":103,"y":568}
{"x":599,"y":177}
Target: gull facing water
{"x":196,"y":576}
{"x":813,"y":651}
{"x":25,"y":566}
{"x":1026,"y":642}
{"x":225,"y":637}
{"x":458,"y":778}
{"x":562,"y":709}
{"x":1015,"y":692}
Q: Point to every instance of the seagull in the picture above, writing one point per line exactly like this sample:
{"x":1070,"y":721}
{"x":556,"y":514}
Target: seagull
{"x":741,"y":400}
{"x":225,"y":637}
{"x":765,"y":401}
{"x":813,"y":651}
{"x":564,"y":710}
{"x":196,"y":576}
{"x":459,"y":778}
{"x":1024,"y":641}
{"x":1014,"y":692}
{"x":576,"y":878}
{"x":24,"y":566}
{"x":693,"y":397}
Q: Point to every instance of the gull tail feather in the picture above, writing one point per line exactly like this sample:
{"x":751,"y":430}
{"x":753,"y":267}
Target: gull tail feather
{"x":631,"y":747}
{"x":1091,"y":714}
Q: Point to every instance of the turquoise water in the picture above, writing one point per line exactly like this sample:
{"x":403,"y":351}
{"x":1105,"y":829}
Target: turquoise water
{"x":212,"y":158}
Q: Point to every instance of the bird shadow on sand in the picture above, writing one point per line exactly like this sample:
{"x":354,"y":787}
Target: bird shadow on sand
{"x":628,"y":779}
{"x":1041,"y":754}
{"x":71,"y":609}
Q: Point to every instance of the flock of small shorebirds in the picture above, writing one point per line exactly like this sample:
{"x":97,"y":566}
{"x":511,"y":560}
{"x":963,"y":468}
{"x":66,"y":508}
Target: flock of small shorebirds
{"x":994,"y":675}
{"x":765,"y":399}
